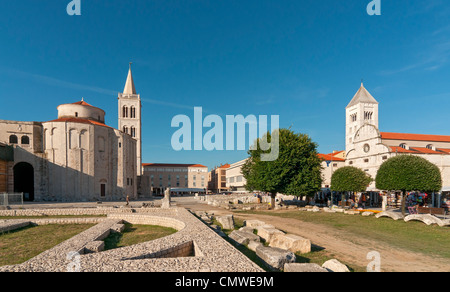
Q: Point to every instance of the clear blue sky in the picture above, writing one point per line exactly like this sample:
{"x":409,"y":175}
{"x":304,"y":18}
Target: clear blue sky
{"x":302,"y":60}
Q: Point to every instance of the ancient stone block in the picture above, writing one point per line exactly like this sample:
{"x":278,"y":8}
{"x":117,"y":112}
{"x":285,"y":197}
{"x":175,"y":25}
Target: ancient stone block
{"x":291,"y":242}
{"x":226,"y":221}
{"x":242,"y":237}
{"x":275,"y":258}
{"x":335,"y":266}
{"x":268,"y":232}
{"x":303,"y":268}
{"x":253,"y":223}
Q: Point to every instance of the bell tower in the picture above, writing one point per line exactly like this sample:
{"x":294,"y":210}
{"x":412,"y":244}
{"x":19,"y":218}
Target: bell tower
{"x":362,"y":109}
{"x":130,"y":121}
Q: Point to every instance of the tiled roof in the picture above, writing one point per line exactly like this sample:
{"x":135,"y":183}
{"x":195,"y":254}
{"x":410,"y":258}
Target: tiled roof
{"x":330,"y":157}
{"x":414,"y":137}
{"x":79,"y":120}
{"x":420,"y":150}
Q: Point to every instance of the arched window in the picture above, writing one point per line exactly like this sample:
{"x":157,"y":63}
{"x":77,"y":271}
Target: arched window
{"x":133,"y":132}
{"x":125,"y":112}
{"x":13,"y":139}
{"x":403,"y":145}
{"x":125,"y":129}
{"x":25,"y":140}
{"x":430,"y":146}
{"x":133,"y":112}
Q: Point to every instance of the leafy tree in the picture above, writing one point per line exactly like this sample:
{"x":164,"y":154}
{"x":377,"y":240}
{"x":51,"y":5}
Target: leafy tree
{"x":408,"y":173}
{"x":350,"y":179}
{"x":297,"y":171}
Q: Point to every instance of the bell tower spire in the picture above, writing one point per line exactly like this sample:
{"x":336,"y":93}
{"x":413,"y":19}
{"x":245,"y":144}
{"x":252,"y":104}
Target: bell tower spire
{"x":130,"y":122}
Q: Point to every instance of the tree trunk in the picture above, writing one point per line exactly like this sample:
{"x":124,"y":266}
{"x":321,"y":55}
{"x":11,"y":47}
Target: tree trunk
{"x":404,"y":203}
{"x":272,"y":202}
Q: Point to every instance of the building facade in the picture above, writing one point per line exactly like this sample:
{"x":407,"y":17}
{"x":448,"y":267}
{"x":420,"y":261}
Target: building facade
{"x":130,"y":116}
{"x":182,"y":178}
{"x":367,"y":147}
{"x":235,"y":181}
{"x":76,"y":157}
{"x":218,"y":179}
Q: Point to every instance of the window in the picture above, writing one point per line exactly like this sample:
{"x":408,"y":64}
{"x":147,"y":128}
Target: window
{"x":366,"y":160}
{"x":403,"y":145}
{"x":76,"y":115}
{"x":353,"y":117}
{"x":25,"y":140}
{"x":125,"y":112}
{"x":133,"y":112}
{"x":125,"y":129}
{"x":133,"y":132}
{"x":430,"y":146}
{"x":368,"y":115}
{"x":384,"y":157}
{"x":13,"y":139}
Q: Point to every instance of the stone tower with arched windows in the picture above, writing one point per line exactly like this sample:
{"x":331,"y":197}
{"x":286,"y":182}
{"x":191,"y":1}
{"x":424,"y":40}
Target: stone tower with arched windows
{"x":130,"y":121}
{"x":362,"y":110}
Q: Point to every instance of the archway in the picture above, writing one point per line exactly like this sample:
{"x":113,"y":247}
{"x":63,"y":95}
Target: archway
{"x":24,"y":180}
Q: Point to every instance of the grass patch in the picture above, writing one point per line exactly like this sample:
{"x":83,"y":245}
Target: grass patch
{"x":411,"y":236}
{"x":134,"y":234}
{"x":23,"y":244}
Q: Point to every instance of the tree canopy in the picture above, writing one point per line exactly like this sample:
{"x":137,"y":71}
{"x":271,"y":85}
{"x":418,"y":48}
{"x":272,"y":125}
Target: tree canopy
{"x":297,"y":171}
{"x":409,"y":173}
{"x":350,"y":179}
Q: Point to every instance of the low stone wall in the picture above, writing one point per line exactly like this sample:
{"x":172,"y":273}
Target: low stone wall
{"x":6,"y":226}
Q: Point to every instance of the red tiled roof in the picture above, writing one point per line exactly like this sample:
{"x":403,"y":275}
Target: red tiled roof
{"x":82,"y":103}
{"x":420,"y":150}
{"x":330,"y":157}
{"x":80,"y":120}
{"x":414,"y":137}
{"x":171,"y":165}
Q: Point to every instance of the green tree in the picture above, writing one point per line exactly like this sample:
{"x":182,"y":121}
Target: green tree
{"x":408,"y":173}
{"x":297,"y":171}
{"x":350,"y":179}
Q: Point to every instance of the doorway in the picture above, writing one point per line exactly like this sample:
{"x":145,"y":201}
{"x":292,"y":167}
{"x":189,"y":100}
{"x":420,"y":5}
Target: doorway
{"x":24,"y":180}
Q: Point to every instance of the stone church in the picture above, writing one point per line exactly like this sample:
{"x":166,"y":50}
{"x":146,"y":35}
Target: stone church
{"x":367,"y":147}
{"x":76,"y":157}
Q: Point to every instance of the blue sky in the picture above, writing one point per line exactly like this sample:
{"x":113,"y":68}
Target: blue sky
{"x":301,"y":60}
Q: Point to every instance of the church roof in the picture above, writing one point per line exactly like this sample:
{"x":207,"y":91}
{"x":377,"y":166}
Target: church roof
{"x":330,"y":157}
{"x":80,"y":120}
{"x":362,"y":96}
{"x":414,"y":137}
{"x":129,"y":85}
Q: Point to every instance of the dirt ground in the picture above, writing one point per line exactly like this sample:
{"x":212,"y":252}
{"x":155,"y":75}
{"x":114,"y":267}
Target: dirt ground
{"x":346,"y":248}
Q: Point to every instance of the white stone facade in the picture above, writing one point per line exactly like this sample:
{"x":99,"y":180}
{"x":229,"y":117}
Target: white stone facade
{"x":76,"y":157}
{"x":367,"y":147}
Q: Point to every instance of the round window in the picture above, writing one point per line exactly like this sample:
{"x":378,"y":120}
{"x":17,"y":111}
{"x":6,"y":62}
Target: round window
{"x":366,"y":148}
